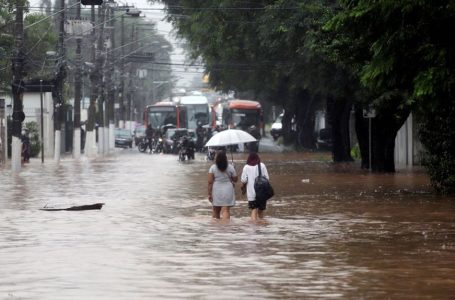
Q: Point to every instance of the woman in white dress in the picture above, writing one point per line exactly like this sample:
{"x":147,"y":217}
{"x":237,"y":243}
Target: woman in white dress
{"x":221,"y":186}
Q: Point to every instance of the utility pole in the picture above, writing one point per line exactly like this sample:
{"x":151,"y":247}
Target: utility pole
{"x":77,"y":93}
{"x":130,"y":80}
{"x":122,"y":75}
{"x":59,"y":78}
{"x":90,"y":141}
{"x":111,"y":86}
{"x":90,"y":147}
{"x":100,"y":60}
{"x":18,"y":87}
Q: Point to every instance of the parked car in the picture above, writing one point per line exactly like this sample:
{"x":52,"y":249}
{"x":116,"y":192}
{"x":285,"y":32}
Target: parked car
{"x":139,"y":134}
{"x":123,"y":138}
{"x":276,"y":129}
{"x":324,"y":139}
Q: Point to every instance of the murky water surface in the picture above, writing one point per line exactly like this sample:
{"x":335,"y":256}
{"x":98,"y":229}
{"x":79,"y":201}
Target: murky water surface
{"x":331,"y":232}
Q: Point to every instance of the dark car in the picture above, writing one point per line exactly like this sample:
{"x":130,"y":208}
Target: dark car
{"x":324,"y":139}
{"x":170,"y":137}
{"x":123,"y":138}
{"x":139,"y":134}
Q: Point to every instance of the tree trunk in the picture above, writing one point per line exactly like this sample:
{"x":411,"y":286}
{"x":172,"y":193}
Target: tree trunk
{"x":361,"y":129}
{"x":384,"y":128}
{"x":305,"y":119}
{"x":339,"y":112}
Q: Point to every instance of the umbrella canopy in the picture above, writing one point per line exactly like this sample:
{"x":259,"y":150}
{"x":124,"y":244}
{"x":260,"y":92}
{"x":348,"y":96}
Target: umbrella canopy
{"x":230,"y":137}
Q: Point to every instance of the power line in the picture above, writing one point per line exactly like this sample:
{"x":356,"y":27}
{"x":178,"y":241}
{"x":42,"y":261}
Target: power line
{"x":213,"y":8}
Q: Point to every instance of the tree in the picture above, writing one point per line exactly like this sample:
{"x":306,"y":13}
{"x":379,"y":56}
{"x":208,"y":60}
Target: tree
{"x":40,"y":37}
{"x":403,"y":54}
{"x":6,"y":43}
{"x":244,"y":49}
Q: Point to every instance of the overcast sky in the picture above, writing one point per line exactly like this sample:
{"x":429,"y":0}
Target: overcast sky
{"x":156,"y":14}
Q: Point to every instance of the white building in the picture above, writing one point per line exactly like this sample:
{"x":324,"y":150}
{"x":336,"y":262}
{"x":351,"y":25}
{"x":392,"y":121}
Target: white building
{"x":32,"y":110}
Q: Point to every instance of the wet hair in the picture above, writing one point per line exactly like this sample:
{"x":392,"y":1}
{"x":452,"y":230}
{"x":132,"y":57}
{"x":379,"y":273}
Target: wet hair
{"x":253,"y":159}
{"x":221,"y":161}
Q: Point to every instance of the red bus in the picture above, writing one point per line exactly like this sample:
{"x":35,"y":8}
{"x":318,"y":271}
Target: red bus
{"x":243,"y":114}
{"x":165,"y":113}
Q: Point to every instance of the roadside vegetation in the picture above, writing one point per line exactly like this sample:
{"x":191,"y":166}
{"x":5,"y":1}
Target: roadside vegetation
{"x":395,"y":57}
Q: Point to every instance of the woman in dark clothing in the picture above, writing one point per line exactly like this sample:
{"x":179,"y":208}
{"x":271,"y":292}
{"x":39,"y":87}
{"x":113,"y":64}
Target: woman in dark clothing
{"x":249,"y":174}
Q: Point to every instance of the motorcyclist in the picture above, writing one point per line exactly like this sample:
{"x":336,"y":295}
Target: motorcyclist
{"x":190,"y":149}
{"x":150,"y":134}
{"x":182,"y":146}
{"x":200,"y":133}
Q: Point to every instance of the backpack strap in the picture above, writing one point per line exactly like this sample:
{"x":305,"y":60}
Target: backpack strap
{"x":259,"y":168}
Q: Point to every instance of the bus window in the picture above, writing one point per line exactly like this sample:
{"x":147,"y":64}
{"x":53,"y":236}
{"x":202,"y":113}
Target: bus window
{"x":245,"y":118}
{"x":159,"y":116}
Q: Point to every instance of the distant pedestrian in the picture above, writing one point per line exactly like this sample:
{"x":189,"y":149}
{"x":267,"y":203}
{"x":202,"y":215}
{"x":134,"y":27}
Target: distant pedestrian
{"x":25,"y":146}
{"x":249,"y":174}
{"x":82,"y":138}
{"x":221,"y":186}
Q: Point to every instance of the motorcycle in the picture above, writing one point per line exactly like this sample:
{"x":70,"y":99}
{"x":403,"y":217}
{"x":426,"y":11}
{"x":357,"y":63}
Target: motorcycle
{"x":143,"y":144}
{"x":157,"y":145}
{"x":211,"y":152}
{"x":186,"y":148}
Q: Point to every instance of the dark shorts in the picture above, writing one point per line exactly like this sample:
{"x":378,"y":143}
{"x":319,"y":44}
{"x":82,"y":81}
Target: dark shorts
{"x":261,"y":205}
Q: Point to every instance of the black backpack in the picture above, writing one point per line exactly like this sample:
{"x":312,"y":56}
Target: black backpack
{"x":262,"y":187}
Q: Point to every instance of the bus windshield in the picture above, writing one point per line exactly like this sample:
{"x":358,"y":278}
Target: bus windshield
{"x":197,"y":113}
{"x":159,"y":116}
{"x":244,"y":118}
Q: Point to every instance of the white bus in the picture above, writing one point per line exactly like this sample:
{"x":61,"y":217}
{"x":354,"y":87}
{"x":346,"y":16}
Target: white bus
{"x":198,"y":110}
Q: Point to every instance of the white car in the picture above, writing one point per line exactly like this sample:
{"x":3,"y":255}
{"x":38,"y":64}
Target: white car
{"x":276,"y":129}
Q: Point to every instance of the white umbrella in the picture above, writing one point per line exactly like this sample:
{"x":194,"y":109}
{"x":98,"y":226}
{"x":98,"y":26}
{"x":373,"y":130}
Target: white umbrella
{"x":230,"y":137}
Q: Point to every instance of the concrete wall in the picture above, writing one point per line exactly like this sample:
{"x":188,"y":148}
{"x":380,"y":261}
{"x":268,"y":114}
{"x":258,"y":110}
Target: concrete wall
{"x":32,"y":110}
{"x":407,"y":145}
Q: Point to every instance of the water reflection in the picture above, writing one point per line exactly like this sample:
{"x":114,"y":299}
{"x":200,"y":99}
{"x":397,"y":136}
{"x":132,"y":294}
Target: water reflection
{"x":332,"y":232}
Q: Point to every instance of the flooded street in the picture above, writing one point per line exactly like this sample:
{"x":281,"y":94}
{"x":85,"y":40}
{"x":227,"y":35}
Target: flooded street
{"x":331,"y":232}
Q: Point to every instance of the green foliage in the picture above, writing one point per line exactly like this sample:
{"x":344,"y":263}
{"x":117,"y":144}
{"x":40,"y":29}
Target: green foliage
{"x":33,"y":132}
{"x":6,"y":43}
{"x":355,"y":152}
{"x":403,"y":53}
{"x":438,"y":137}
{"x":38,"y":39}
{"x":397,"y":55}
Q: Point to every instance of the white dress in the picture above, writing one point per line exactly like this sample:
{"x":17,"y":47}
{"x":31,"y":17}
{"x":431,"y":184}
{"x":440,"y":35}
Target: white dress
{"x":223,"y":189}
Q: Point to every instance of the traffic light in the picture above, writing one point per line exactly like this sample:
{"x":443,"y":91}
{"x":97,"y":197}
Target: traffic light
{"x":91,"y":2}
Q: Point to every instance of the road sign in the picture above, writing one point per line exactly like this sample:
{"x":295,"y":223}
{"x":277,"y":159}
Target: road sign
{"x":140,"y":57}
{"x":369,"y":113}
{"x":91,"y":2}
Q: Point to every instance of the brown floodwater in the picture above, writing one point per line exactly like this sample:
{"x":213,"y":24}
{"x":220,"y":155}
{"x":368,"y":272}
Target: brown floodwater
{"x":331,"y":231}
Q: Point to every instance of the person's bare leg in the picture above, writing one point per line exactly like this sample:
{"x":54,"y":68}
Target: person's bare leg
{"x":216,"y":210}
{"x":260,"y":214}
{"x":254,"y":214}
{"x":226,"y":213}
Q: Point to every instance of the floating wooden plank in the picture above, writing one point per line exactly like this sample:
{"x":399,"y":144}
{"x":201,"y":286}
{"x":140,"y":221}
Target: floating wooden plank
{"x":78,"y":207}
